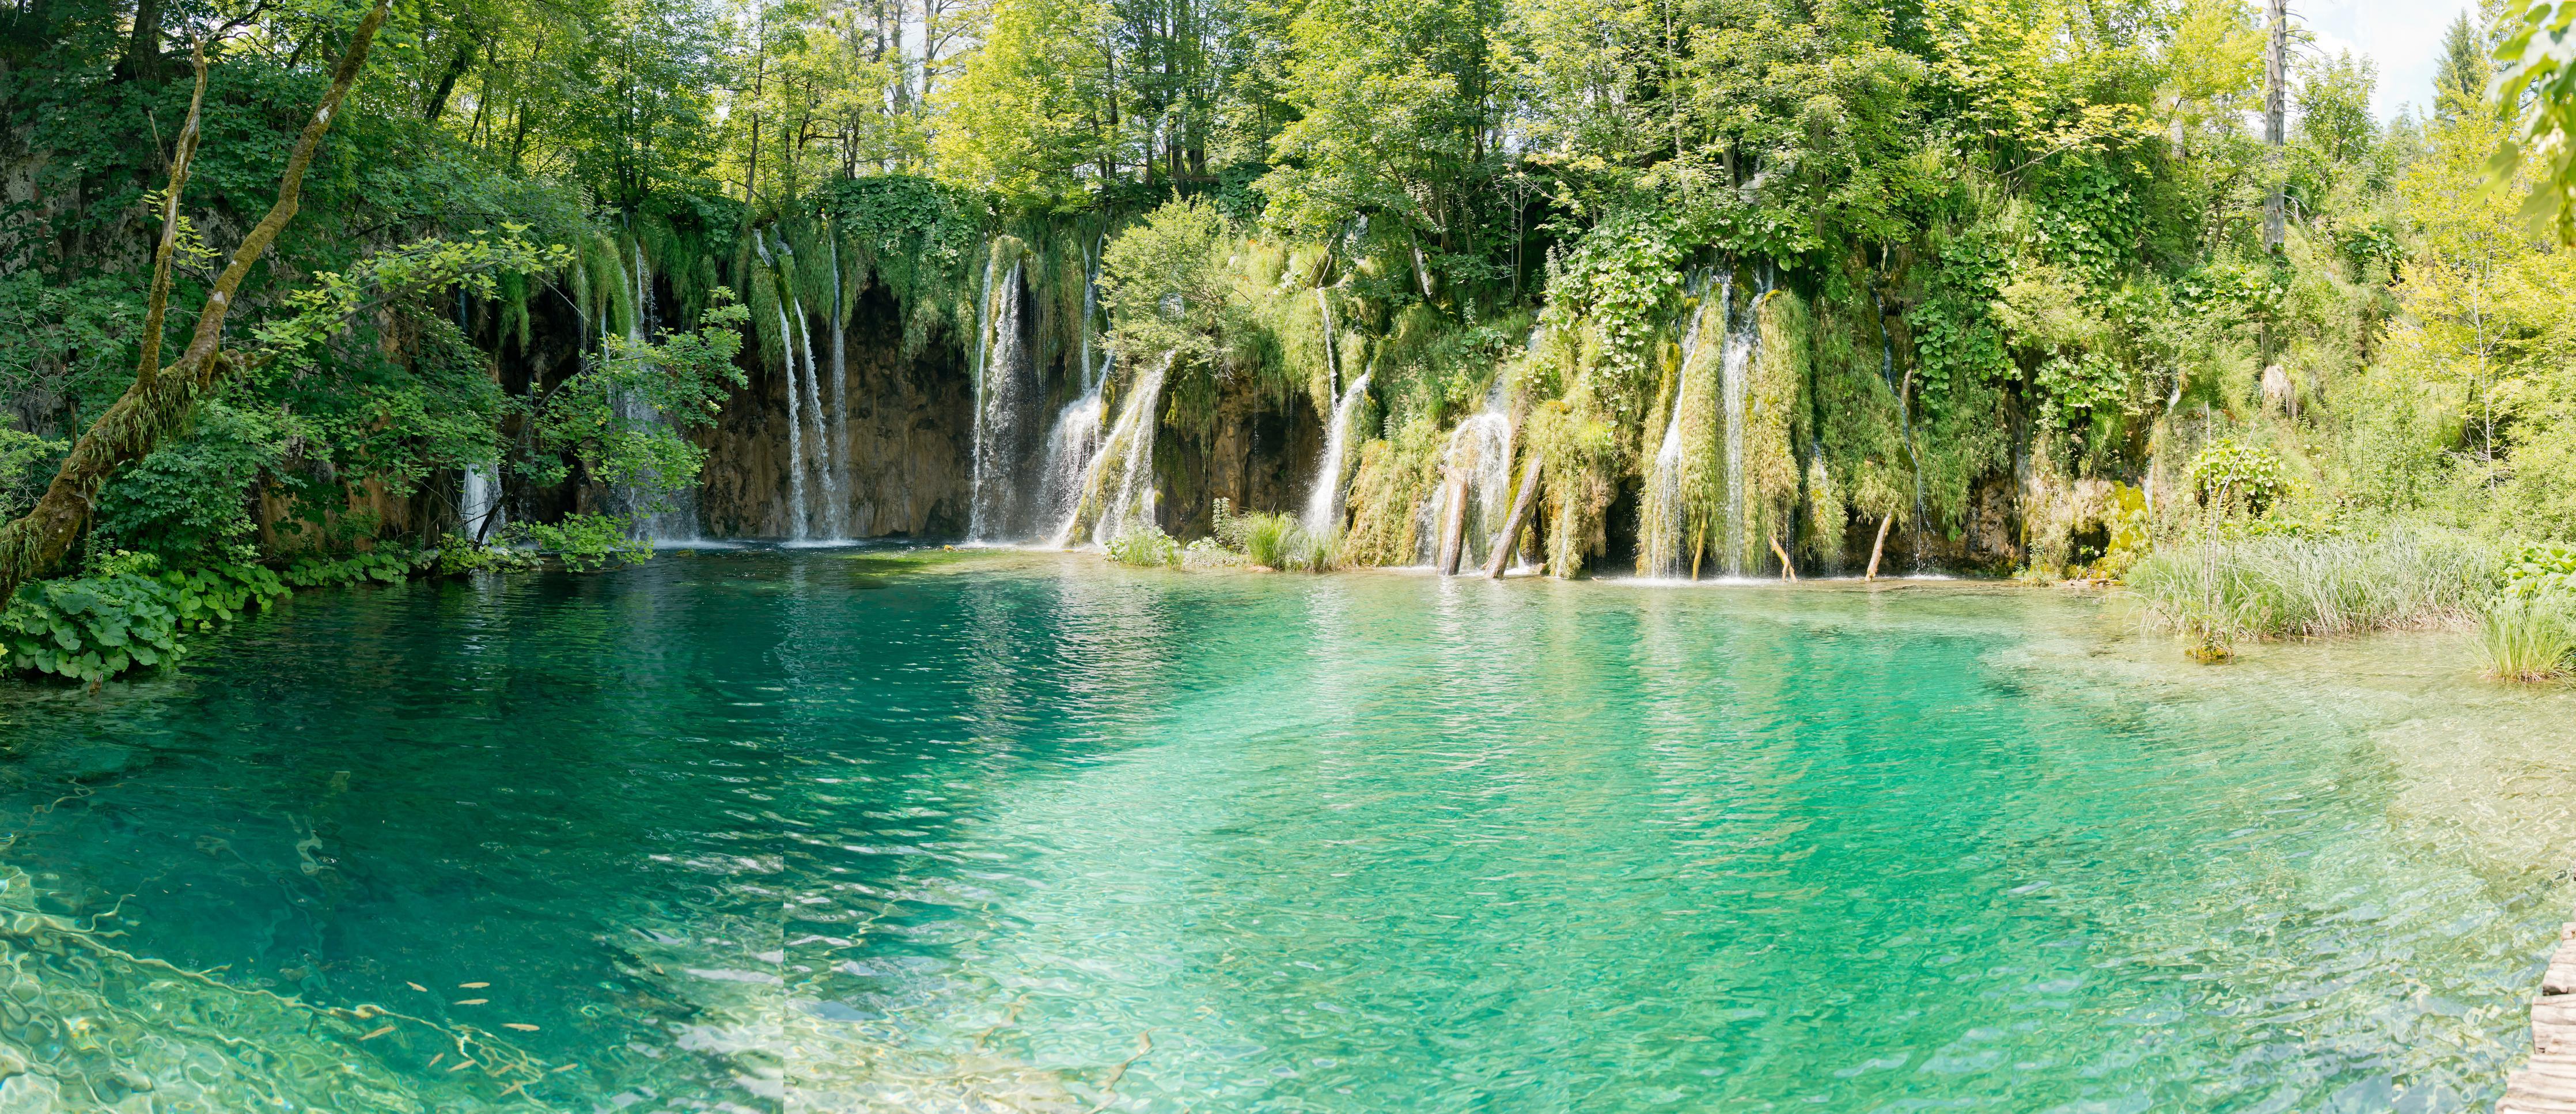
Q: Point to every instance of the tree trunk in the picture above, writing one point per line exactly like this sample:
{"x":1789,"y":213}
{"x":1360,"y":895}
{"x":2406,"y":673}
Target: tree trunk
{"x":1453,"y":525}
{"x":1879,"y":546}
{"x":1788,"y":568}
{"x":142,"y":60}
{"x":160,"y":399}
{"x":456,"y":68}
{"x":1509,"y":541}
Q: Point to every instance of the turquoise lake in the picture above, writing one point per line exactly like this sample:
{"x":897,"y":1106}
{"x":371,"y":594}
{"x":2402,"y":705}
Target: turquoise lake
{"x":819,"y":830}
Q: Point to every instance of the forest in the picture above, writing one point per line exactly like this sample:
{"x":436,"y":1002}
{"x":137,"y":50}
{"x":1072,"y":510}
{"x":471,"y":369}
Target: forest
{"x":1699,"y":288}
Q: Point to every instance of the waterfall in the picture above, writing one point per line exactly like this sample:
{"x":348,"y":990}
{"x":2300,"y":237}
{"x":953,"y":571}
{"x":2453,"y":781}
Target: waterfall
{"x":1735,"y":370}
{"x":1074,"y":439}
{"x":1324,"y":497}
{"x":983,"y":356}
{"x":1662,"y":518}
{"x":795,"y":435}
{"x":1121,"y":479}
{"x":840,"y":447}
{"x":1480,"y":452}
{"x":478,"y":504}
{"x":1001,"y":420}
{"x":814,"y":422}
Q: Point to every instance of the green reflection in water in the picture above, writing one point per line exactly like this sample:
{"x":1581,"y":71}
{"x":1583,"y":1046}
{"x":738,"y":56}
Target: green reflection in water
{"x":1010,"y":831}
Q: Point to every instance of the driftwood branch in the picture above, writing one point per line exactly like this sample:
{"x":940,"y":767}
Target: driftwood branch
{"x":160,"y":398}
{"x":1880,"y":546}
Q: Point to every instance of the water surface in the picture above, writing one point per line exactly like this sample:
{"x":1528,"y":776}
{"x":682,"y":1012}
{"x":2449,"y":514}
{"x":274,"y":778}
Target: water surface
{"x":797,"y":831}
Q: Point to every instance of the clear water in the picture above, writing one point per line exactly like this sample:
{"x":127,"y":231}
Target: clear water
{"x":794,"y":831}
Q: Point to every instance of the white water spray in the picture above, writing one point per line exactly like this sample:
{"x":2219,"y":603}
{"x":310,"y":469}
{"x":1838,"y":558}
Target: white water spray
{"x":1324,"y":497}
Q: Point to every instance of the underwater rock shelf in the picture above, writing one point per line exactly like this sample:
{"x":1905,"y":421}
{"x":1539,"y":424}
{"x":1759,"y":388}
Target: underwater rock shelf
{"x":2547,"y":1084}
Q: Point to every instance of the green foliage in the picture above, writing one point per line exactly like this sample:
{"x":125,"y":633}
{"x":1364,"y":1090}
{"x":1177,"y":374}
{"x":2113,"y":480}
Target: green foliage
{"x":1146,"y":547}
{"x":459,"y":555}
{"x":624,"y":417}
{"x":583,"y":542}
{"x":2228,"y":475}
{"x":23,"y":471}
{"x":2538,"y":53}
{"x":2533,"y":571}
{"x":127,"y":612}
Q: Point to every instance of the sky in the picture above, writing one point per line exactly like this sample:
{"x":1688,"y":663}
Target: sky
{"x":2401,"y":35}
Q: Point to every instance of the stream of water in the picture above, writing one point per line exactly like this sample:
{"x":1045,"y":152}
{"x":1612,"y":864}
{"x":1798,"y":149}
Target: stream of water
{"x":833,"y":830}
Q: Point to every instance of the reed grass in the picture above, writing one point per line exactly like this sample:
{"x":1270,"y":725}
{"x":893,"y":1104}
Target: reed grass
{"x":2526,"y":639}
{"x":2288,"y":586}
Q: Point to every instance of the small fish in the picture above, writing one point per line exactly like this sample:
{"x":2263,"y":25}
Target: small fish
{"x":505,"y":1091}
{"x":471,"y":1001}
{"x":433,"y":1061}
{"x":519,"y":1025}
{"x":565,"y":1067}
{"x":461,"y":1065}
{"x":472,"y":985}
{"x":417,"y":986}
{"x":377,"y":1033}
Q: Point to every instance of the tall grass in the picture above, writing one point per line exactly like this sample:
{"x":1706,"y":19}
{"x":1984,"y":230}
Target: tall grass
{"x":2286,"y":586}
{"x":2526,"y":639}
{"x":1276,"y":541}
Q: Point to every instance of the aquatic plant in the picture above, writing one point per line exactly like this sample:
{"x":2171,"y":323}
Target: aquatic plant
{"x":2525,"y":638}
{"x":2272,"y":586}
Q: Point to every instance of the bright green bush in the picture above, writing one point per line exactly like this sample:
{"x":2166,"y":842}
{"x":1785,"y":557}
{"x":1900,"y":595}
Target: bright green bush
{"x":2532,"y":571}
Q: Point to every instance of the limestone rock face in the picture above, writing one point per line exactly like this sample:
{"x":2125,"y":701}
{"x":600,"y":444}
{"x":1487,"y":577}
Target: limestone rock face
{"x":907,"y":433}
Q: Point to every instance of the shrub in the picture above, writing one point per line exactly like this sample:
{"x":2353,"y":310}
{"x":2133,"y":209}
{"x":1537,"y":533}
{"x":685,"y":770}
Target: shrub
{"x":1275,"y":541}
{"x":2227,"y":473}
{"x":2275,"y":586}
{"x":2526,"y":638}
{"x":584,"y":542}
{"x":458,"y":555}
{"x":1144,"y":547}
{"x":2533,"y":571}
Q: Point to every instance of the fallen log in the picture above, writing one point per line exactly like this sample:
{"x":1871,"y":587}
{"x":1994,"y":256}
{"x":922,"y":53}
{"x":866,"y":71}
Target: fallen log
{"x":1509,"y":541}
{"x":1879,"y":546}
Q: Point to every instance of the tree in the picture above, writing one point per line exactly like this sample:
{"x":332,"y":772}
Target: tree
{"x":160,"y":399}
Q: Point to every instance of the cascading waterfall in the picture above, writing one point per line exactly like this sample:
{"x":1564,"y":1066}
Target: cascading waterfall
{"x":983,"y":357}
{"x":796,"y":512}
{"x":1662,"y":518}
{"x":1002,"y":420}
{"x":478,"y":503}
{"x":1480,"y":452}
{"x":1074,"y":439}
{"x":814,"y":420}
{"x":1324,"y":498}
{"x":1121,"y":479}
